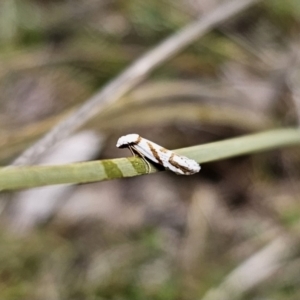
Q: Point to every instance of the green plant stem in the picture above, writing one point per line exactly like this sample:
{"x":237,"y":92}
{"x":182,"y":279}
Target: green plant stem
{"x":12,"y":178}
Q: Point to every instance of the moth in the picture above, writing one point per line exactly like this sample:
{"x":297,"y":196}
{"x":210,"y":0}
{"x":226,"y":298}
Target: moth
{"x":178,"y":164}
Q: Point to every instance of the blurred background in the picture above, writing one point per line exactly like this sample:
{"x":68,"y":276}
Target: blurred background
{"x":229,"y":232}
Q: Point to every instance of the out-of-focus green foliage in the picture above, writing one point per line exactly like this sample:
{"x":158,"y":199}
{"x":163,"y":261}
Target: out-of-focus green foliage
{"x":160,"y":236}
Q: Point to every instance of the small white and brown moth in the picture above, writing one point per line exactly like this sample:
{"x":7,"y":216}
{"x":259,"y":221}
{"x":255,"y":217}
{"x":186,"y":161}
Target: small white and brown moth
{"x":180,"y":165}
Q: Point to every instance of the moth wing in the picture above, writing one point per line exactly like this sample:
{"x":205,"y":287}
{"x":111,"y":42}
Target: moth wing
{"x":183,"y":165}
{"x":152,"y":151}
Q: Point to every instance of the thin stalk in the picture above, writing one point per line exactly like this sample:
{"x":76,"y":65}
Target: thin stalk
{"x":35,"y":176}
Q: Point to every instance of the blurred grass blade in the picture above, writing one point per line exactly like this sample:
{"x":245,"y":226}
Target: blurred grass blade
{"x":132,"y":76}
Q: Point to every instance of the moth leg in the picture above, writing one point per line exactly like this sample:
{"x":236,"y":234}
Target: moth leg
{"x":148,"y":165}
{"x":134,"y":151}
{"x":130,"y":148}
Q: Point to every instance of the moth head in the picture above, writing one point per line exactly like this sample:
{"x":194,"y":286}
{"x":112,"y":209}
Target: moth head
{"x":128,"y":139}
